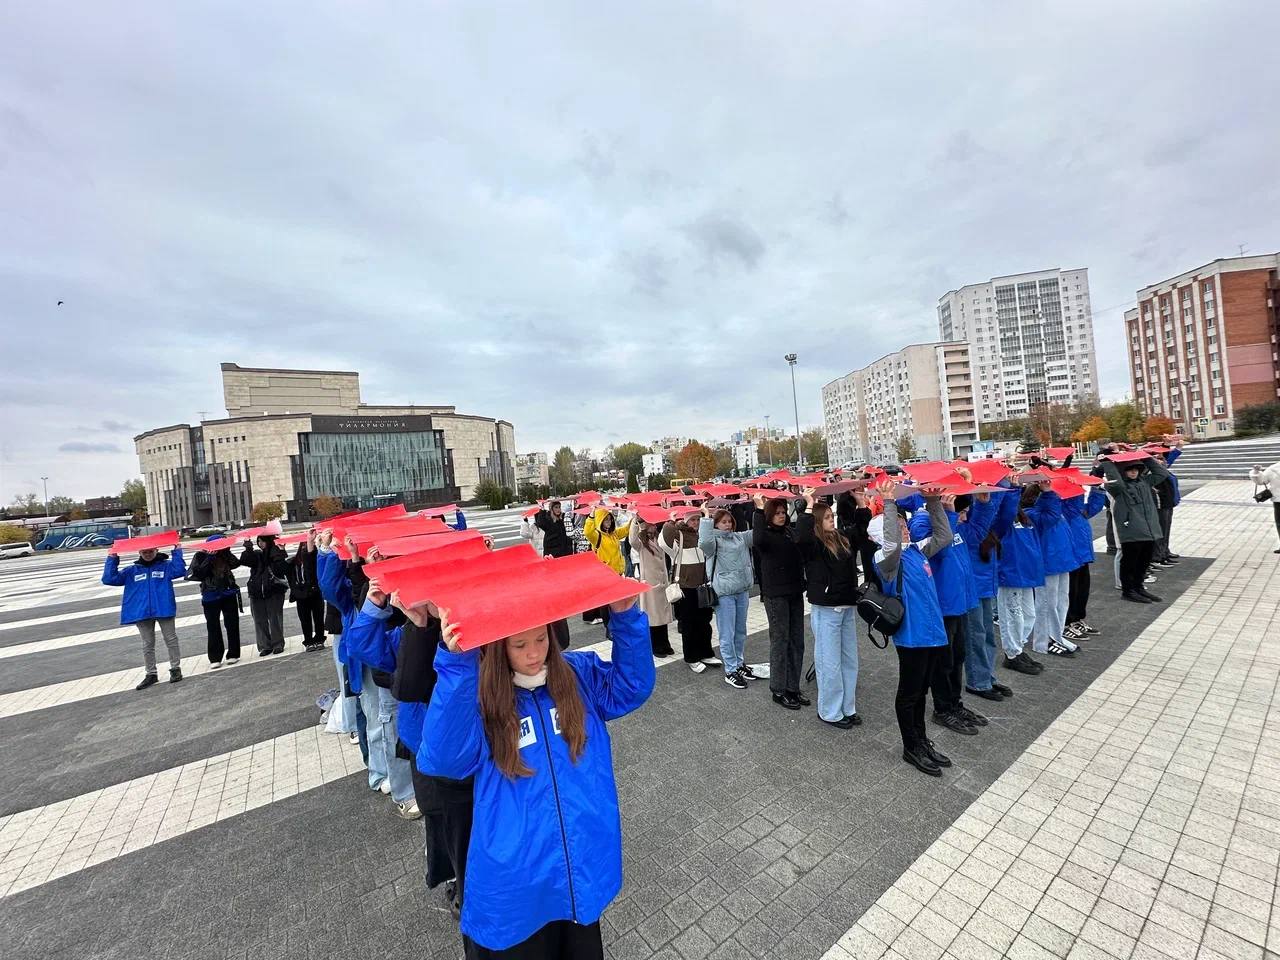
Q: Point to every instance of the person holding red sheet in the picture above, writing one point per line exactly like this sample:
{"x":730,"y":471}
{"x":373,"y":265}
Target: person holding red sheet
{"x":268,"y":582}
{"x":974,"y":528}
{"x":148,"y":600}
{"x":1130,"y":484}
{"x":1078,"y":511}
{"x":651,"y":568}
{"x":782,"y":593}
{"x":220,"y":599}
{"x":1019,"y":572}
{"x":693,"y":621}
{"x":530,"y":725}
{"x":304,"y":591}
{"x":556,"y":541}
{"x":1047,"y":635}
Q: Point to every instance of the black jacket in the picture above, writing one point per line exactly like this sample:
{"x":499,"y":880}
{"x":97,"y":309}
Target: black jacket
{"x":212,"y":568}
{"x":832,"y":580}
{"x":555,"y":539}
{"x":268,"y":571}
{"x":781,"y":562}
{"x":303,"y":584}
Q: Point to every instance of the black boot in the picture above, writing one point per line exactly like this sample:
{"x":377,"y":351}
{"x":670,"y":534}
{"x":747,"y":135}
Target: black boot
{"x":175,"y":674}
{"x":1148,"y":596}
{"x":941,"y":759}
{"x":1134,"y":597}
{"x":147,"y":681}
{"x":918,"y":758}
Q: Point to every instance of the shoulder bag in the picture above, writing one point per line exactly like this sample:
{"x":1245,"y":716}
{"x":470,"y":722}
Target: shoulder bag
{"x":707,"y":598}
{"x":880,"y":611}
{"x":674,"y":592}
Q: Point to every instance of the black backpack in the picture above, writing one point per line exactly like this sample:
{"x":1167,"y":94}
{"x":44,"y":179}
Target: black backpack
{"x":880,"y":611}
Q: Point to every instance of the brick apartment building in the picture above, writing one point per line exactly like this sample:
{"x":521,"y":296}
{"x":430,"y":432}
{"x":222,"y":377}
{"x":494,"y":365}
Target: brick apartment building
{"x":1204,"y":344}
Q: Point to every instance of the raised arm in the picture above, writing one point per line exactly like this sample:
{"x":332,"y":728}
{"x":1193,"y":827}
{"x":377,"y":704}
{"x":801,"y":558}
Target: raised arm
{"x":707,"y":542}
{"x":889,"y":557}
{"x":335,"y":585}
{"x":1115,"y":482}
{"x":369,"y":640}
{"x":176,"y":567}
{"x":111,"y":574}
{"x":1156,"y":473}
{"x":943,"y":536}
{"x":626,"y":681}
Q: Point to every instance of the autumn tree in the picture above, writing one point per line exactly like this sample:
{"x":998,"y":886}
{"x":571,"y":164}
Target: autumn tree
{"x":905,"y":447}
{"x":725,"y":463}
{"x":13,"y":533}
{"x":1125,"y":421}
{"x":1153,"y":428}
{"x":696,"y":460}
{"x":1095,"y":428}
{"x":77,"y":513}
{"x":134,"y":495}
{"x":814,"y":444}
{"x":267,"y":510}
{"x":326,"y":506}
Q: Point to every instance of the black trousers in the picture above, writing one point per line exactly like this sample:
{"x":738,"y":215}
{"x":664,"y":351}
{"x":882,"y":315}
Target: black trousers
{"x":446,"y":807}
{"x":660,"y":640}
{"x":693,"y":623}
{"x":1111,"y":531}
{"x":786,"y":642}
{"x":1135,"y":557}
{"x":1275,"y":506}
{"x":1166,"y":523}
{"x":1078,"y":593}
{"x":558,"y":940}
{"x":916,"y":667}
{"x":948,"y":667}
{"x":227,"y":609}
{"x":311,"y":616}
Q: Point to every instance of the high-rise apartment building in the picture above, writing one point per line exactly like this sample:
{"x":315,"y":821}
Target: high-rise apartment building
{"x":1030,"y":339}
{"x":923,"y":392}
{"x":1203,"y":344}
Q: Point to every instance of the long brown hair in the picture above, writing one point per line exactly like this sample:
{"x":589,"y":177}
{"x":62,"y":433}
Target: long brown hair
{"x":837,"y":543}
{"x":771,"y":507}
{"x":648,"y":535}
{"x":498,"y":706}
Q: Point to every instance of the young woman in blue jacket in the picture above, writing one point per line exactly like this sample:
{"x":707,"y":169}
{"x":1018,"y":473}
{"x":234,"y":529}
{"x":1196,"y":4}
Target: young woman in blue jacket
{"x":1020,"y":571}
{"x":1059,"y":561}
{"x":921,"y":641}
{"x":529,"y":723}
{"x":980,"y":642}
{"x":1078,"y":512}
{"x":148,"y":600}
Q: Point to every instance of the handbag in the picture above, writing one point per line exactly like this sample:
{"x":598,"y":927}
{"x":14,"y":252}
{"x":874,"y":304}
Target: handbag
{"x":880,"y":611}
{"x":1263,"y":495}
{"x":674,"y":592}
{"x":707,"y":597}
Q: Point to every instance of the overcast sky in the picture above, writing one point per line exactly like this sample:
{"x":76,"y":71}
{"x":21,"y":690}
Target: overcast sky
{"x":600,"y":221}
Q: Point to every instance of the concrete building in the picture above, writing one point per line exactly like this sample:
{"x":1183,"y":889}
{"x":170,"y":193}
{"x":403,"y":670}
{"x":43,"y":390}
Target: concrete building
{"x":1203,"y":344}
{"x":651,"y":464}
{"x":745,"y":456}
{"x":294,"y":435}
{"x":924,"y":391}
{"x":1030,"y":339}
{"x":668,"y":447}
{"x":532,"y":468}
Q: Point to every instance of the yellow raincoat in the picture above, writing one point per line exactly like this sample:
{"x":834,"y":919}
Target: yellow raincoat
{"x":607,"y":546}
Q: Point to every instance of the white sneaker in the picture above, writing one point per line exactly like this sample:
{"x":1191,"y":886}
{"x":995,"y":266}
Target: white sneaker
{"x":385,"y":787}
{"x":216,"y":665}
{"x":697,"y":667}
{"x":230,"y":660}
{"x":1149,"y":579}
{"x":711,"y":661}
{"x":355,"y":739}
{"x":408,"y":811}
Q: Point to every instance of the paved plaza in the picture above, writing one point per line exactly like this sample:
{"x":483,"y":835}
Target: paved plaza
{"x":1122,"y":804}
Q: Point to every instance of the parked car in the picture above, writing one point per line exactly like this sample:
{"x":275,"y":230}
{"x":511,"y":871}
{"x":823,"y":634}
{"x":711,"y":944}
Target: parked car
{"x":209,"y":529}
{"x":24,"y":549}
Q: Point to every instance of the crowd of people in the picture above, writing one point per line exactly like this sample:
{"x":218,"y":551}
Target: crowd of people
{"x":502,"y":748}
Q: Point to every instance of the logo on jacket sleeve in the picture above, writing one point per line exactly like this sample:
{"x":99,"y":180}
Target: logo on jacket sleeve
{"x":528,"y":737}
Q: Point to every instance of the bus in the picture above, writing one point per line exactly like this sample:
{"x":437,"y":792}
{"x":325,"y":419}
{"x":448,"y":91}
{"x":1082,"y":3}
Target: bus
{"x":84,"y":533}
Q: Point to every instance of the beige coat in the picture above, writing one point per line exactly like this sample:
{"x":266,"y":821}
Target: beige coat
{"x":651,"y":568}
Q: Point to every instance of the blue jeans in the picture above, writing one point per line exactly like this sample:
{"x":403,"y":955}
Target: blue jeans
{"x":835,"y":659}
{"x":731,"y":623}
{"x":980,"y":651}
{"x":379,"y":708}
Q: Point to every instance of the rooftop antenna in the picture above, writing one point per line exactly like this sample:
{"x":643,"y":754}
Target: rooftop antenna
{"x":1241,"y":248}
{"x":204,"y":414}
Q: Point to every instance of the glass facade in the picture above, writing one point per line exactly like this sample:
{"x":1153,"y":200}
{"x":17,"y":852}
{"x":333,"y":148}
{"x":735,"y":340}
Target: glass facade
{"x":362,"y":468}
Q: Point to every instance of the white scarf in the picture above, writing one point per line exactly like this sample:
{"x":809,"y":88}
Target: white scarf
{"x":525,"y":682}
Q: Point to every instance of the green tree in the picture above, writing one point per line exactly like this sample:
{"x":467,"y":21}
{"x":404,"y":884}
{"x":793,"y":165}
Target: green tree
{"x":26,"y":502}
{"x":658,"y":481}
{"x":1125,"y":421}
{"x":267,"y":510}
{"x":696,"y":460}
{"x":628,"y":457}
{"x":814,"y":444}
{"x":561,"y":472}
{"x":60,"y":505}
{"x":1258,"y":419}
{"x":726,"y":466}
{"x":765,"y":451}
{"x":633,"y":484}
{"x":1029,"y":442}
{"x":905,"y":448}
{"x":134,"y":495}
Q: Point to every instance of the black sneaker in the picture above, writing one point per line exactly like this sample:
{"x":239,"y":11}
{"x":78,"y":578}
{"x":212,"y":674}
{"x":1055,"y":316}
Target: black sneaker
{"x":854,"y":719}
{"x":785,"y":701}
{"x":992,"y":694}
{"x":1088,"y":628}
{"x":922,"y":762}
{"x":955,"y":723}
{"x":147,"y":681}
{"x":1034,"y":664}
{"x":800,"y":698}
{"x":1001,"y":689}
{"x":844,"y":723}
{"x":451,"y":895}
{"x":1149,"y":596}
{"x":941,"y":759}
{"x":1058,"y":650}
{"x":1133,"y":597}
{"x":175,"y":674}
{"x":1018,"y":665}
{"x":735,"y":680}
{"x":975,"y":719}
{"x":746,"y":673}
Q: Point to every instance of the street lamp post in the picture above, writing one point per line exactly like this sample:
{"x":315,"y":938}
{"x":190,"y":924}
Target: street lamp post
{"x":791,"y":362}
{"x":1186,"y":406}
{"x":46,"y":495}
{"x":768,"y":440}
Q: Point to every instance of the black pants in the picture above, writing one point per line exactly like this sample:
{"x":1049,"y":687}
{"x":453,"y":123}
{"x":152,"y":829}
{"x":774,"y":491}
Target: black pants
{"x":1078,"y":593}
{"x":916,"y":667}
{"x":786,"y":642}
{"x":1166,"y":523}
{"x":1275,"y":506}
{"x":228,"y":609}
{"x":693,"y":623}
{"x":446,"y":807}
{"x":1111,"y":532}
{"x":311,"y":616}
{"x":558,"y":940}
{"x":660,"y":641}
{"x":1135,"y":557}
{"x":948,"y":667}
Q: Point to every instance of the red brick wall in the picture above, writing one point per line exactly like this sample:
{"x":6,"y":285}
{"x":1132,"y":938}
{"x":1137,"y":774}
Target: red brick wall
{"x":1245,"y":324}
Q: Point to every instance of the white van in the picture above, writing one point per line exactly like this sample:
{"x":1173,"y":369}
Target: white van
{"x":16,"y":550}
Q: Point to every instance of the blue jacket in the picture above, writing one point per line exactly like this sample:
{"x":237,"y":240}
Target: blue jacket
{"x":1078,"y":511}
{"x":335,"y":587}
{"x":148,"y":587}
{"x":549,"y":846}
{"x":1055,"y":536}
{"x":922,"y":623}
{"x":459,"y":520}
{"x":1002,"y":507}
{"x":952,"y":577}
{"x":369,"y":641}
{"x":1021,"y":561}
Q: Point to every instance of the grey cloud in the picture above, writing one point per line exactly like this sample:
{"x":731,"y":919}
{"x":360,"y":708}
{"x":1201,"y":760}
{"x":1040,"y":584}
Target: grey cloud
{"x":117,"y":426}
{"x":80,"y":446}
{"x":725,"y":236}
{"x":596,"y":159}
